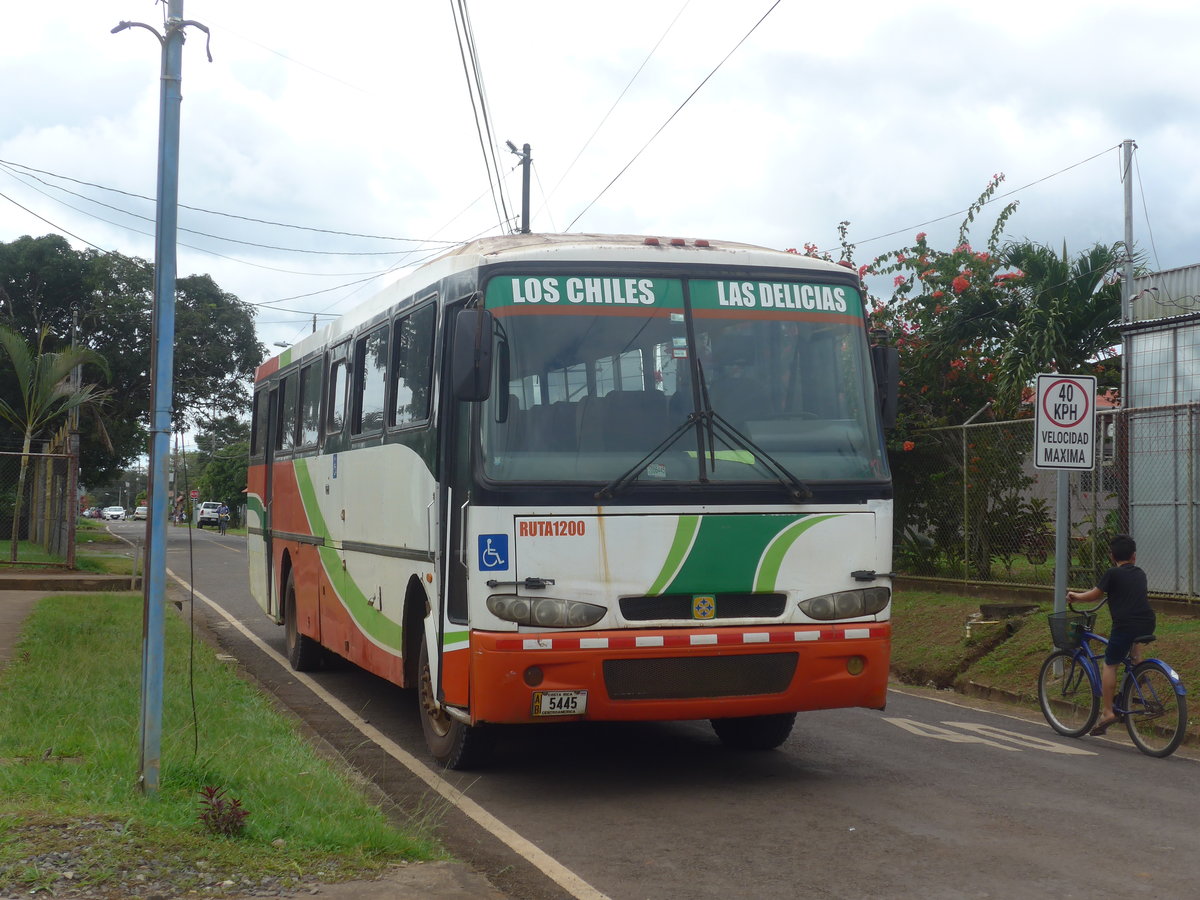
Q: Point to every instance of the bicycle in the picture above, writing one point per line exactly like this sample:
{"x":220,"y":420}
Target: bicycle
{"x":1150,"y":699}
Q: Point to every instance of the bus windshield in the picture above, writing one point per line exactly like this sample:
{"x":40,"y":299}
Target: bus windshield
{"x":595,"y":373}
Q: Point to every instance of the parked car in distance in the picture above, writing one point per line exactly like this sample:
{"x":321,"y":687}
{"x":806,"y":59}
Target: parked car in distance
{"x":207,"y":514}
{"x":140,"y":512}
{"x":113,"y":512}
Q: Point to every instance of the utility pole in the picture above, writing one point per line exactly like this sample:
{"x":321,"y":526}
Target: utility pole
{"x":1127,"y":148}
{"x":526,"y":161}
{"x":162,"y":389}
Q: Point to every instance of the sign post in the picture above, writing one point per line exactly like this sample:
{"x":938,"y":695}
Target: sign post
{"x":1064,"y":439}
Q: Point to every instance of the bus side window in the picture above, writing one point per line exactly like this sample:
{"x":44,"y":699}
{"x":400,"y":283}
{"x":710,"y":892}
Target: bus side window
{"x":412,"y":367}
{"x":285,"y":437}
{"x":310,"y":404}
{"x":258,"y":423}
{"x":370,"y":381}
{"x":336,"y":404}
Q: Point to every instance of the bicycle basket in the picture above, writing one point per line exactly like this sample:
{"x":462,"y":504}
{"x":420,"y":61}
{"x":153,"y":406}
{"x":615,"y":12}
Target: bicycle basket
{"x":1066,"y":629}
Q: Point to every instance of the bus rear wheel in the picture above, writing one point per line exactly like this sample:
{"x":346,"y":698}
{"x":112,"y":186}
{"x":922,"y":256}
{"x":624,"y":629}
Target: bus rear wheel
{"x":754,"y":732}
{"x":454,"y":744}
{"x":303,"y":653}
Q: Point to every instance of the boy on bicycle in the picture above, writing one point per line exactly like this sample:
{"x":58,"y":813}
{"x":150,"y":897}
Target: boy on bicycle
{"x":1132,"y":617}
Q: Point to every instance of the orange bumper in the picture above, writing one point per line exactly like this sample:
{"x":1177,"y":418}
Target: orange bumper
{"x":695,"y":673}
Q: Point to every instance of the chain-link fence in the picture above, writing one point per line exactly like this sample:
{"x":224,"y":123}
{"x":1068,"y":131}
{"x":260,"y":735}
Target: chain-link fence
{"x":971,"y":507}
{"x":39,"y":505}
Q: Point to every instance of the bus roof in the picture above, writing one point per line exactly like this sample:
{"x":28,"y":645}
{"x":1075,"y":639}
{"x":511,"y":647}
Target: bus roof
{"x":544,"y":248}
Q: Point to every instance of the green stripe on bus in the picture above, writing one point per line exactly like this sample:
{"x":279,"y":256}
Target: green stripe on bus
{"x":308,"y":497}
{"x":726,"y":553}
{"x":772,"y":558}
{"x":685,"y":531}
{"x":369,"y":620}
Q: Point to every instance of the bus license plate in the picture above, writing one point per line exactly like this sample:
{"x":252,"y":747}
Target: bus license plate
{"x":559,"y":703}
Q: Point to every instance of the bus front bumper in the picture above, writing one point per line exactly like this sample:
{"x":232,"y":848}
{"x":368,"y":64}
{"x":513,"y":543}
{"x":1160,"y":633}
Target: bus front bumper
{"x":674,"y":674}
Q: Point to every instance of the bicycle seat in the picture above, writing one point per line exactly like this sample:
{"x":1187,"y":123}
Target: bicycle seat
{"x":1144,"y":639}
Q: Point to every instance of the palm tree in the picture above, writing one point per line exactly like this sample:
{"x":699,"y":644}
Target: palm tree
{"x":46,"y":394}
{"x":1069,"y":309}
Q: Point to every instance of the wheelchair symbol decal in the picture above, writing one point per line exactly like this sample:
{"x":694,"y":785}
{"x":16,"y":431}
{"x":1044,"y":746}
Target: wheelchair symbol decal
{"x":493,"y":552}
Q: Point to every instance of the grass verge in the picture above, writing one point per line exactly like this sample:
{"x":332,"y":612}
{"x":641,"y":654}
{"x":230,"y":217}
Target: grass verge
{"x":70,"y":704}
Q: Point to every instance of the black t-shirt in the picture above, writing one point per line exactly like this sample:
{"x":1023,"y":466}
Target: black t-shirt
{"x":1125,"y":586}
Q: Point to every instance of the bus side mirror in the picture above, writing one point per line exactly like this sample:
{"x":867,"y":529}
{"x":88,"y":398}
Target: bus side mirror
{"x":471,"y":359}
{"x":886,"y":362}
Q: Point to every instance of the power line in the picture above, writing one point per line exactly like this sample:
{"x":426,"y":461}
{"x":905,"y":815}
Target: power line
{"x":616,"y":102}
{"x":212,"y":212}
{"x":687,"y":100}
{"x":951,"y":215}
{"x":479,"y":108}
{"x":1145,"y":210}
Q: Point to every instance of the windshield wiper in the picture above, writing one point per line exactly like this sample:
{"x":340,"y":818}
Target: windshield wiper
{"x":627,"y":477}
{"x":714,"y":421}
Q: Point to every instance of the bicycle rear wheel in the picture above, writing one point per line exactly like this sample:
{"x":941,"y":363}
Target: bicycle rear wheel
{"x":1065,"y":694}
{"x":1155,"y":715}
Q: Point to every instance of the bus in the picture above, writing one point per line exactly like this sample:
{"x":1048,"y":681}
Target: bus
{"x":563,"y":478}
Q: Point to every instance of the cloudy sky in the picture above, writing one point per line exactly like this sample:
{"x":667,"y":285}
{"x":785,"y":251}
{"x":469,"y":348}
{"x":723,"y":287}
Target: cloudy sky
{"x":353,"y":122}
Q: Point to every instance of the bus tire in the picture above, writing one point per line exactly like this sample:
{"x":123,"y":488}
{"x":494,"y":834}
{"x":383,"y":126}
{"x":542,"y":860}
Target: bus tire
{"x":754,"y":732}
{"x":453,"y":744}
{"x":303,"y":653}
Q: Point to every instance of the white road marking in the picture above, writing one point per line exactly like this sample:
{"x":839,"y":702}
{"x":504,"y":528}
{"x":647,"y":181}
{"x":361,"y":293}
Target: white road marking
{"x":552,"y":868}
{"x":923,"y":729}
{"x":1021,"y":740}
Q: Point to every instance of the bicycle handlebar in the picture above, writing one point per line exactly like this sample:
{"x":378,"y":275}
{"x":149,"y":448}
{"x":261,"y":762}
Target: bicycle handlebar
{"x":1071,"y":606}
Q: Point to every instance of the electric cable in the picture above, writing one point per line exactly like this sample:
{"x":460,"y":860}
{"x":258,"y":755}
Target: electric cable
{"x":687,"y":100}
{"x":211,"y":212}
{"x":1145,"y":210}
{"x":951,"y":215}
{"x":620,"y":97}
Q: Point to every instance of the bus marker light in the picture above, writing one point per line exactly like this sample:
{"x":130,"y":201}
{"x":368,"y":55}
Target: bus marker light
{"x":855,"y":665}
{"x":534,"y":676}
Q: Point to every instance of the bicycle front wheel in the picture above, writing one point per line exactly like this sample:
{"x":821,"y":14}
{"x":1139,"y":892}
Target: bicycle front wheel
{"x":1066,"y":696}
{"x":1155,"y":715}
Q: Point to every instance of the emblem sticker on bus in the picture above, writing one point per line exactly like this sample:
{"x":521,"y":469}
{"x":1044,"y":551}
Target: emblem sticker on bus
{"x":493,"y":552}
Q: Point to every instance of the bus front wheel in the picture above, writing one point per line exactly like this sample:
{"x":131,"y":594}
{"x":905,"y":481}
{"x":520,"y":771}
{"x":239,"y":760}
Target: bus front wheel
{"x":754,"y":732}
{"x":454,"y":744}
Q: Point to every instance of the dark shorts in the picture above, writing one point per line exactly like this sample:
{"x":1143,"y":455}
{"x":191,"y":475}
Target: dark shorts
{"x":1120,"y":641}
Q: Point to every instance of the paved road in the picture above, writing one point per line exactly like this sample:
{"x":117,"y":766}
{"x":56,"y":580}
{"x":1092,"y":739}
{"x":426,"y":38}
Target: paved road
{"x":934,"y":798}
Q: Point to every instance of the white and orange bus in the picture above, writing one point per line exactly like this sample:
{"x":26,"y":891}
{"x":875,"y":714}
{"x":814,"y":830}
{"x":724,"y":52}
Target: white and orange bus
{"x":586,"y":477}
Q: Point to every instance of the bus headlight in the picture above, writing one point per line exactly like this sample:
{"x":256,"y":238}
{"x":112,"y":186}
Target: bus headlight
{"x":847,"y":604}
{"x":544,"y":612}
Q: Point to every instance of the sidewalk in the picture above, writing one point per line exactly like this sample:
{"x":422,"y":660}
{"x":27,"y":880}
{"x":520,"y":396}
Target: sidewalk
{"x":415,"y":881}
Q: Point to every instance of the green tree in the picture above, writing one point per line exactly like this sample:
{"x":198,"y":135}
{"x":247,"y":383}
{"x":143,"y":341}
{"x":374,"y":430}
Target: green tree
{"x":44,"y":282}
{"x":47,"y":394}
{"x":1064,"y":314}
{"x":224,"y":477}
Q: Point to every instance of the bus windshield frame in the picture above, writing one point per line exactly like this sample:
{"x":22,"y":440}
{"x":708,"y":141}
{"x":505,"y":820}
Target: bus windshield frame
{"x":656,"y":381}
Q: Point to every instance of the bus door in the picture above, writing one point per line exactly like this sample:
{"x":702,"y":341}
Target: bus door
{"x":271,"y":444}
{"x":454,"y":485}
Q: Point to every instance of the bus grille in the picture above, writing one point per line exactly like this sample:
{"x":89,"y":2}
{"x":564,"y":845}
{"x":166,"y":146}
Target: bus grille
{"x":679,"y":606}
{"x":703,"y":676}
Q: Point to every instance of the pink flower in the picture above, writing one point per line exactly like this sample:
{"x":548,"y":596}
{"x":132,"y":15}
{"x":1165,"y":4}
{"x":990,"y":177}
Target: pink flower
{"x":899,"y":280}
{"x":959,"y":284}
{"x":920,"y":236}
{"x":909,"y":445}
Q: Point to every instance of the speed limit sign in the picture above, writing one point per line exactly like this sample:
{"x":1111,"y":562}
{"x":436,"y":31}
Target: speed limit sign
{"x":1065,"y":431}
